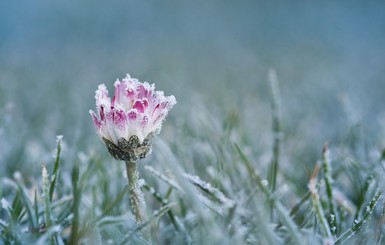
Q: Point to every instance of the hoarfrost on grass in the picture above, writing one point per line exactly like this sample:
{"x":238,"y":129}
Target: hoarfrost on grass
{"x":5,"y":204}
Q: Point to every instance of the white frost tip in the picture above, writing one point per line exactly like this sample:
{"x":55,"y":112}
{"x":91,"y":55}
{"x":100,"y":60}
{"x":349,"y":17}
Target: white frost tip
{"x":44,"y":172}
{"x":141,"y":183}
{"x":17,"y":175}
{"x":5,"y":203}
{"x":117,"y":82}
{"x":59,"y":138}
{"x":264,"y":182}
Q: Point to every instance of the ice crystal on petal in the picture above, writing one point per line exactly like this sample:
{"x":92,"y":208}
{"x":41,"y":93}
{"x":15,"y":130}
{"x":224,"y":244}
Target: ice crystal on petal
{"x":134,"y":114}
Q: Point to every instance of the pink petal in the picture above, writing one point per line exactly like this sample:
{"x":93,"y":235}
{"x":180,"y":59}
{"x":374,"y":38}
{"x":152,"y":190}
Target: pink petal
{"x":132,"y":114}
{"x":101,"y":113}
{"x":119,"y":92}
{"x":144,"y":121}
{"x":144,"y":90}
{"x":159,"y":118}
{"x":119,"y":118}
{"x":138,"y":105}
{"x":145,"y":102}
{"x":101,"y":95}
{"x":95,"y":119}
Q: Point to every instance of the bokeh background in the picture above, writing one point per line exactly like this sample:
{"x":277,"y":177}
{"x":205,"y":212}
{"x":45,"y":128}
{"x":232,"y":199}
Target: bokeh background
{"x":214,"y":56}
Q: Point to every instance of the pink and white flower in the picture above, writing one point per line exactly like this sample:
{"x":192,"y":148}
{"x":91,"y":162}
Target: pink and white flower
{"x":127,"y":123}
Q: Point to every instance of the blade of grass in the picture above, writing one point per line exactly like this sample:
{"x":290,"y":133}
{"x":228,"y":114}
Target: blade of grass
{"x":358,"y":224}
{"x":36,"y":207}
{"x":320,"y":214}
{"x":164,"y":202}
{"x":47,"y":202}
{"x":329,"y":189}
{"x":296,"y":208}
{"x":75,"y":206}
{"x":114,"y":203}
{"x":166,"y":179}
{"x":213,"y":192}
{"x":281,"y":211}
{"x":368,"y":186}
{"x":26,"y":201}
{"x":276,"y":125}
{"x":157,"y":214}
{"x":56,"y":167}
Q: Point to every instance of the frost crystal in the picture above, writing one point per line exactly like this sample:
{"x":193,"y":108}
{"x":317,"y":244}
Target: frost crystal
{"x":129,"y":120}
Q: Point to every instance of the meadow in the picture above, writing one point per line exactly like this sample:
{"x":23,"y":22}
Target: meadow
{"x":277,"y":137}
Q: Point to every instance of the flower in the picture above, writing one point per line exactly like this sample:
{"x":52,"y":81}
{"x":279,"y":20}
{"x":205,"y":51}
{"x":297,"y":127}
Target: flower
{"x":135,"y":114}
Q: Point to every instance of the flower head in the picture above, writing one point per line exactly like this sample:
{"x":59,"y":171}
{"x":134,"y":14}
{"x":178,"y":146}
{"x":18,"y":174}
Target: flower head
{"x":129,"y":120}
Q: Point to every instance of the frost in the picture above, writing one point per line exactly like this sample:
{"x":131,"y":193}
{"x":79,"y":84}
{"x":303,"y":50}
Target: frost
{"x":17,"y":175}
{"x":9,"y":182}
{"x":3,"y":223}
{"x":332,"y":217}
{"x":5,"y":204}
{"x":163,"y":177}
{"x":141,"y":183}
{"x":226,"y":202}
{"x":59,"y":138}
{"x":265,"y":182}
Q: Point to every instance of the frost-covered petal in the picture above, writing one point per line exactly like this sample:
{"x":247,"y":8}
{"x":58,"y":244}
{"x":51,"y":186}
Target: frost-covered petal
{"x":101,"y":97}
{"x":132,"y":114}
{"x":120,"y":118}
{"x":96,"y":121}
{"x":139,"y":106}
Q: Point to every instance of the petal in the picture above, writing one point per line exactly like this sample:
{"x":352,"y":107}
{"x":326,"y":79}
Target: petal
{"x":145,"y":90}
{"x":144,"y":121}
{"x":101,"y":113}
{"x":138,"y":105}
{"x":145,"y":102}
{"x":119,"y":118}
{"x":95,"y":119}
{"x":103,"y":102}
{"x":101,"y":95}
{"x":132,"y":114}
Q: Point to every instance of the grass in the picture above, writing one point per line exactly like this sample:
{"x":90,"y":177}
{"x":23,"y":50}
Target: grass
{"x":207,"y":186}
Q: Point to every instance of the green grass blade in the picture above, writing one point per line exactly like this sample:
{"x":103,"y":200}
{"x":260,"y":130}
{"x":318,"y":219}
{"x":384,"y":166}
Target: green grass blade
{"x":26,"y":201}
{"x":56,"y":168}
{"x":157,"y":214}
{"x":164,"y":202}
{"x":281,"y":210}
{"x":36,"y":207}
{"x":47,"y":202}
{"x":368,"y":187}
{"x":358,"y":224}
{"x":329,"y":188}
{"x":276,"y":126}
{"x":75,"y":206}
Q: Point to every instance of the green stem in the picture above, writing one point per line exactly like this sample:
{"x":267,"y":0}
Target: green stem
{"x":136,"y":197}
{"x":329,"y":190}
{"x":320,"y":214}
{"x":276,"y":126}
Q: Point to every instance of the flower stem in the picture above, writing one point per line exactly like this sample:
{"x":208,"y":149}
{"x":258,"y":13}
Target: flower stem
{"x":136,"y":198}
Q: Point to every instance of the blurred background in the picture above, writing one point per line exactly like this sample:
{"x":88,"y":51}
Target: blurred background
{"x":214,"y":56}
